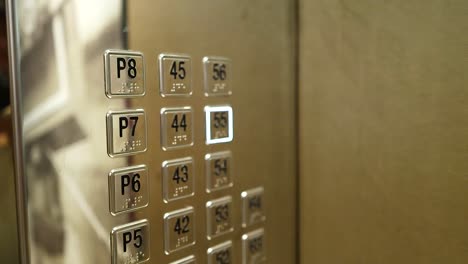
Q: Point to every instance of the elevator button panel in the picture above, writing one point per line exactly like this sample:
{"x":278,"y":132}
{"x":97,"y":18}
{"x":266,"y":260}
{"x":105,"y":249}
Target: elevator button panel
{"x":187,"y":260}
{"x":253,"y":250}
{"x":126,"y":132}
{"x":218,"y":168}
{"x":128,"y":189}
{"x":218,"y":124}
{"x":179,"y":229}
{"x":178,"y":179}
{"x":175,"y":75}
{"x":176,"y":127}
{"x":219,"y":217}
{"x":253,"y":210}
{"x":124,"y":73}
{"x":217,"y":76}
{"x":130,"y":243}
{"x":221,"y":254}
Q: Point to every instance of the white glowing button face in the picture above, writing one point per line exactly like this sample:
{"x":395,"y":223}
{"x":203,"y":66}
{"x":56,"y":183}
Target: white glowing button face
{"x":219,"y":124}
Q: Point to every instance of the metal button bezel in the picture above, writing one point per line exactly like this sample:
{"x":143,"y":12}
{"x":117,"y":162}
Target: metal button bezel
{"x":250,"y":217}
{"x":166,"y":165}
{"x":110,"y":132}
{"x":211,"y":252}
{"x":164,"y":126}
{"x":211,"y":177}
{"x":187,"y":260}
{"x":117,"y":251}
{"x":207,"y":74}
{"x":108,"y":77}
{"x":246,"y":255}
{"x":212,"y":228}
{"x":163,"y":79}
{"x":168,"y":229}
{"x":113,"y":192}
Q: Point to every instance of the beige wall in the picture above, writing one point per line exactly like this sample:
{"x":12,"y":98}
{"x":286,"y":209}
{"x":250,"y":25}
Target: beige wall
{"x":383,"y":131}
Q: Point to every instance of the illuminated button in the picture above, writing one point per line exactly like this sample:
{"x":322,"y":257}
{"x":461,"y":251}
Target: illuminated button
{"x":253,"y":250}
{"x":175,"y":75}
{"x":128,"y":189}
{"x":219,"y":217}
{"x":220,"y":254}
{"x":187,"y":260}
{"x":179,"y":229}
{"x":218,"y":171}
{"x":130,"y":243}
{"x":178,"y":179}
{"x":126,"y":132}
{"x":176,"y":127}
{"x":217,"y":75}
{"x":252,"y":207}
{"x":124,"y":73}
{"x":219,"y":124}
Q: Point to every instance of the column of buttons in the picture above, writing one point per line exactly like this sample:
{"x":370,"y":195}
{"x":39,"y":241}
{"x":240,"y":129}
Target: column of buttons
{"x":124,"y":77}
{"x":175,"y":80}
{"x":130,"y":243}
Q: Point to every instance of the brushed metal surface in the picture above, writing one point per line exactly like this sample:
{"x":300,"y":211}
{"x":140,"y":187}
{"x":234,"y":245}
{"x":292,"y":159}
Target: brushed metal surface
{"x":258,"y":38}
{"x":60,"y":109}
{"x":383,"y":131}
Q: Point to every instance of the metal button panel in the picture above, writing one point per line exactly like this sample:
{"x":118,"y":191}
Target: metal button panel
{"x":219,"y":217}
{"x":124,"y":73}
{"x":176,"y":127}
{"x":175,"y":75}
{"x":217,"y":76}
{"x":253,"y":250}
{"x":221,"y":254}
{"x":218,"y":167}
{"x":178,"y":179}
{"x":128,"y":189}
{"x":187,"y":260}
{"x":126,"y":132}
{"x":179,"y":229}
{"x":218,"y":124}
{"x":253,"y":210}
{"x":130,"y":243}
